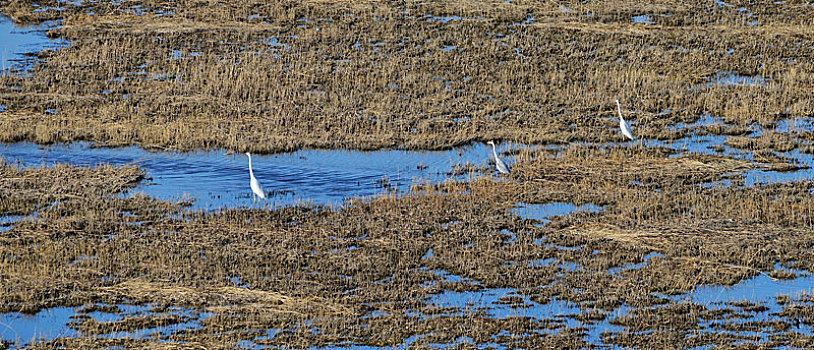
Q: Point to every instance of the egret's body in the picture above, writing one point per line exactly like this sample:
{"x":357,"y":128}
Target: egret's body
{"x":256,"y":188}
{"x":623,"y":124}
{"x":501,"y":167}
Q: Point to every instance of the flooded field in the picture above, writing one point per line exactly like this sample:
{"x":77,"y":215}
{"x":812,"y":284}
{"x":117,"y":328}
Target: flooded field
{"x":127,"y":221}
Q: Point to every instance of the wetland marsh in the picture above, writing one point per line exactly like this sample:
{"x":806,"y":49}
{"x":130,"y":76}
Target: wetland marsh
{"x":126,"y":212}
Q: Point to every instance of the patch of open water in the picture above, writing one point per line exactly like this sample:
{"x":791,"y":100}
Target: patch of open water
{"x":758,"y":288}
{"x":18,"y":40}
{"x":543,"y":212}
{"x":761,"y":290}
{"x":48,"y":324}
{"x":642,"y":19}
{"x":215,"y":179}
{"x":45,"y":325}
{"x":6,"y":221}
{"x":732,"y":79}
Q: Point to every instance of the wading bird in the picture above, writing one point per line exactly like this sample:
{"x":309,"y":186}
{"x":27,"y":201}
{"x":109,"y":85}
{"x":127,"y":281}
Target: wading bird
{"x":622,"y":123}
{"x":501,"y":167}
{"x":256,"y":188}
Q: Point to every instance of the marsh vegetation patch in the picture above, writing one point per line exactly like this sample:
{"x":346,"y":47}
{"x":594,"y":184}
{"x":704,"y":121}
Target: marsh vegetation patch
{"x":283,"y":76}
{"x":403,"y":270}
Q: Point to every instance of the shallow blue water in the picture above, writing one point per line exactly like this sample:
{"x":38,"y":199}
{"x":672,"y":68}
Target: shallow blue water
{"x":46,"y":324}
{"x":215,"y":179}
{"x":723,"y":78}
{"x":759,"y":288}
{"x":543,"y":212}
{"x":15,"y":40}
{"x":642,"y":19}
{"x":52,"y":323}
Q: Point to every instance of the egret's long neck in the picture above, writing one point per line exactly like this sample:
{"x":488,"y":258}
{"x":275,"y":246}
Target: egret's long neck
{"x":494,"y":151}
{"x":250,"y":166}
{"x":619,"y":109}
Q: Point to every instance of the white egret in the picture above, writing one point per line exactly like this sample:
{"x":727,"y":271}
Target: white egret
{"x":622,"y":123}
{"x":256,"y":188}
{"x":501,"y":167}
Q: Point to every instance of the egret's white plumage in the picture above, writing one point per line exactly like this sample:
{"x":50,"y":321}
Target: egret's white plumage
{"x":256,"y":188}
{"x":501,"y":167}
{"x":622,"y":123}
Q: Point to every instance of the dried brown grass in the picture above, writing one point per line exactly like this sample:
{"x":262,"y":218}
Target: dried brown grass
{"x":371,"y":75}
